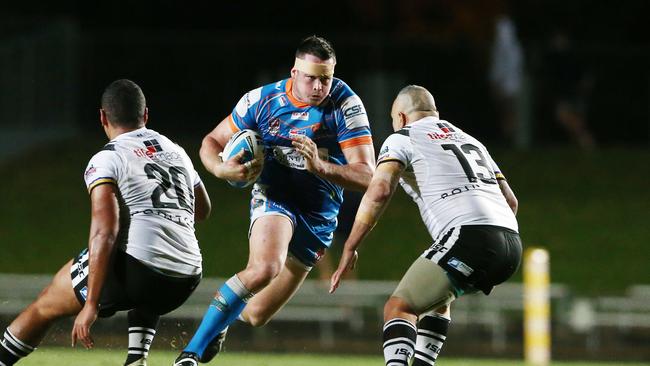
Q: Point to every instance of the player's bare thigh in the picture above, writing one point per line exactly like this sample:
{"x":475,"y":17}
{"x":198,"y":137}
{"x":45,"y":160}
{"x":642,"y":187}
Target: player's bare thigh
{"x":58,"y":297}
{"x":268,"y":246}
{"x":55,"y":301}
{"x":424,"y":274}
{"x":264,"y":305}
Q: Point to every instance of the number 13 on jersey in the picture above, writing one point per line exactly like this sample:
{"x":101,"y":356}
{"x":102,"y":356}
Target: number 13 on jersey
{"x":473,"y":162}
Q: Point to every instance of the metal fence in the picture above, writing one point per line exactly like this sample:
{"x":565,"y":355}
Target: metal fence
{"x":350,"y":320}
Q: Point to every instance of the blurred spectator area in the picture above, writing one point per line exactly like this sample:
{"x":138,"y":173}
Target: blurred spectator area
{"x":53,"y":69}
{"x":39,"y":82}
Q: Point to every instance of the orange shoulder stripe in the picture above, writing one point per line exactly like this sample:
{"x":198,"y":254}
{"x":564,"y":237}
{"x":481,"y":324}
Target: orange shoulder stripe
{"x":362,"y":140}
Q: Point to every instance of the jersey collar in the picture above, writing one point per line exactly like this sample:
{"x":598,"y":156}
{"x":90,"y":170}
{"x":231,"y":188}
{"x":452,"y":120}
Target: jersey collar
{"x":296,"y":103}
{"x":134,"y":132}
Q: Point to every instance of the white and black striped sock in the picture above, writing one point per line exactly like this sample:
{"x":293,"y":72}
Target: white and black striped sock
{"x":13,"y":349}
{"x":142,"y":329}
{"x":399,"y":342}
{"x":140,"y":339}
{"x":432,"y":332}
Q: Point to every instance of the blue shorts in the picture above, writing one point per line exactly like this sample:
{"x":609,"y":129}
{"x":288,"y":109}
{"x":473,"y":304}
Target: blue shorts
{"x":311,"y":236}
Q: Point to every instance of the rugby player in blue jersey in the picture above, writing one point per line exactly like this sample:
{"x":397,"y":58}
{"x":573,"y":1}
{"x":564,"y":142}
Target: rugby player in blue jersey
{"x":318,"y":142}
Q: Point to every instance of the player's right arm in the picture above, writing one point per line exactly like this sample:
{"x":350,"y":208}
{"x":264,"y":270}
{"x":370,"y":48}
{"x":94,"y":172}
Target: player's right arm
{"x":104,"y":228}
{"x":213,"y":144}
{"x":395,"y":155}
{"x":373,"y":204}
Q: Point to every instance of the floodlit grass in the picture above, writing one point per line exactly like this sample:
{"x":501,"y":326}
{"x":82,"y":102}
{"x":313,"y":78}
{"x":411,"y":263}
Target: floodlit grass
{"x":589,"y":210}
{"x":102,"y":357}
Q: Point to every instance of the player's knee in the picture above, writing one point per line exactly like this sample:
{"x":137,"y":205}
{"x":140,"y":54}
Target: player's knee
{"x":256,"y":315}
{"x":396,"y":307}
{"x":52,"y":304}
{"x":259,"y":276}
{"x":41,"y":311}
{"x":443,"y":310}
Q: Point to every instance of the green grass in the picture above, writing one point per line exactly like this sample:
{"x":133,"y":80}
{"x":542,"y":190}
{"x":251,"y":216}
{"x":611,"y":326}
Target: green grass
{"x":101,"y":357}
{"x":589,"y":210}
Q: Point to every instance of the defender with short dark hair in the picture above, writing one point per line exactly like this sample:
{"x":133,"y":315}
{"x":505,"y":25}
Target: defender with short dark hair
{"x":124,"y":103}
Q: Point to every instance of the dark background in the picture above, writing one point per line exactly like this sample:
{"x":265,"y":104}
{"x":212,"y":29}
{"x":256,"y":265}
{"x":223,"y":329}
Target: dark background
{"x":195,"y":59}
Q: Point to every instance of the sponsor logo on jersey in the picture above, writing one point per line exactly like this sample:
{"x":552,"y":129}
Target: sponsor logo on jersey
{"x":447,"y":133}
{"x":335,"y":88}
{"x":274,"y":127}
{"x":91,"y":170}
{"x":383,"y":154}
{"x":446,"y":136}
{"x":437,"y":136}
{"x":384,"y":150}
{"x":303,"y":116}
{"x":153,"y":146}
{"x":354,"y":113}
{"x":445,"y":127}
{"x":459,"y":190}
{"x":282,"y":101}
{"x":297,"y":132}
{"x":288,"y":156}
{"x":154,"y":151}
{"x":167,"y":156}
{"x":182,"y":220}
{"x":247,"y":101}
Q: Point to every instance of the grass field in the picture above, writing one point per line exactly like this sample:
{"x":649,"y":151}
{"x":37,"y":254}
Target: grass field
{"x":589,"y":210}
{"x":78,"y":357}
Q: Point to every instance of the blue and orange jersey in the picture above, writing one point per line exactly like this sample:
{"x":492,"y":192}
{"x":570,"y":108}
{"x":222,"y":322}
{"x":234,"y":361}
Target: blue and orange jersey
{"x":339,"y":122}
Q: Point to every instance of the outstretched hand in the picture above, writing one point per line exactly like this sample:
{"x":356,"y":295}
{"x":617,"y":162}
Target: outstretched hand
{"x":348,"y":262}
{"x":81,"y":328}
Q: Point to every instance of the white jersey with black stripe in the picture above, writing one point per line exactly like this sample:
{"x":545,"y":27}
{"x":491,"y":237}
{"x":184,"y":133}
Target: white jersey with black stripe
{"x":156,"y":181}
{"x":449,"y":174}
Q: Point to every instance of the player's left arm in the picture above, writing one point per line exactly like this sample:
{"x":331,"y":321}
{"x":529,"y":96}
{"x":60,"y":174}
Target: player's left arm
{"x":508,"y":194}
{"x":355,"y":175}
{"x":104,"y":229}
{"x":373,"y":204}
{"x":202,"y":203}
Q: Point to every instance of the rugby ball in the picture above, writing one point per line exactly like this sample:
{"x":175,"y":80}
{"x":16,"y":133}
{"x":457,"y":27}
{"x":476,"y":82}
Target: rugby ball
{"x":251,"y":142}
